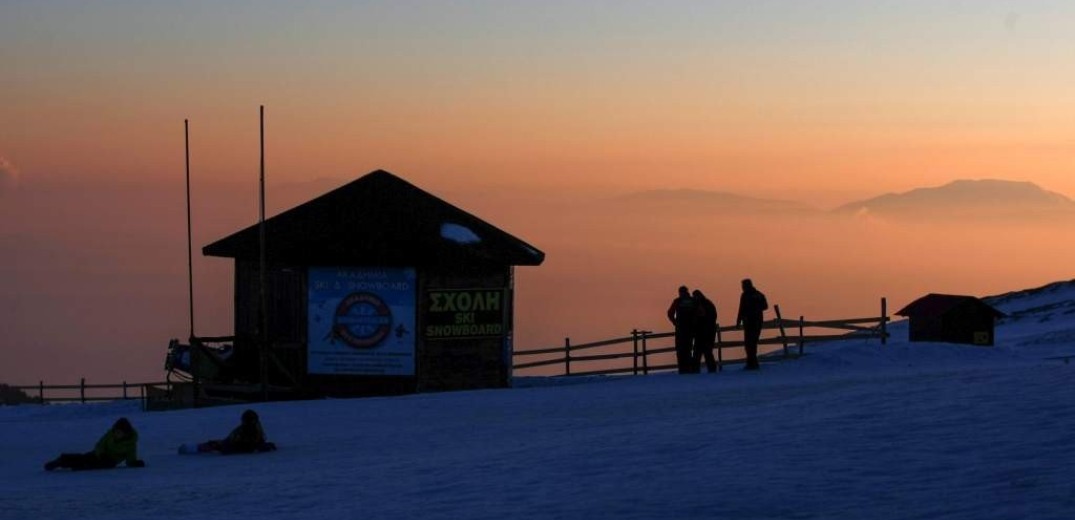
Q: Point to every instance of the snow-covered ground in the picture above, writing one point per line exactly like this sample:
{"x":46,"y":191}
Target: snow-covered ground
{"x":852,"y":430}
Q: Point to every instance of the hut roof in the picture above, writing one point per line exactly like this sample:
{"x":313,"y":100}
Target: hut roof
{"x":378,"y":219}
{"x":934,"y":304}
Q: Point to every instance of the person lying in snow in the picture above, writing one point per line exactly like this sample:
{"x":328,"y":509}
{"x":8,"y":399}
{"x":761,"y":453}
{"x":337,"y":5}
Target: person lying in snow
{"x":248,"y":437}
{"x":118,"y":444}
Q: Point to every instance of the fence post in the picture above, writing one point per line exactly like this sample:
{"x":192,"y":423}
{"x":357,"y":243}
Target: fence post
{"x":720,"y":350}
{"x":41,"y":391}
{"x":645,"y":353}
{"x":780,"y":323}
{"x":802,"y":338}
{"x":124,"y":390}
{"x":82,"y":390}
{"x":634,"y":344}
{"x":884,"y":321}
{"x":567,"y":356}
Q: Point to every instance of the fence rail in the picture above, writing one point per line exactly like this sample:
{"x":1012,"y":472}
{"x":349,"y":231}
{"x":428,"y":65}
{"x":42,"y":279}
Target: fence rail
{"x":641,"y":355}
{"x":640,"y":352}
{"x":126,"y":391}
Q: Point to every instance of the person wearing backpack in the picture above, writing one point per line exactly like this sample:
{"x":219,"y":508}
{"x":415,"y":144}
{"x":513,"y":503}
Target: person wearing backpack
{"x":752,"y":306}
{"x":705,"y":333}
{"x":683,"y":313}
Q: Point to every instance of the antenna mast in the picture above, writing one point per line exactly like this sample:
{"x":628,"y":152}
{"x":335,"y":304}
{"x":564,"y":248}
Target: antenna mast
{"x":190,"y":247}
{"x":264,"y":311}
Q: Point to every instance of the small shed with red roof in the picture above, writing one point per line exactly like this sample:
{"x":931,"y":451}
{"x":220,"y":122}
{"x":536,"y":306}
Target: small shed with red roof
{"x":951,"y":318}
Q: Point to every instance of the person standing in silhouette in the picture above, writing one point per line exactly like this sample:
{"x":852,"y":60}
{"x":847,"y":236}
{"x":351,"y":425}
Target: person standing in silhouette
{"x":752,"y":306}
{"x":683,"y":313}
{"x":705,"y":333}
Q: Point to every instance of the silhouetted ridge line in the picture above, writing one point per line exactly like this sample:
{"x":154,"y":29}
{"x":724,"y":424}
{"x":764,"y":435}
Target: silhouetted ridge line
{"x":970,"y":198}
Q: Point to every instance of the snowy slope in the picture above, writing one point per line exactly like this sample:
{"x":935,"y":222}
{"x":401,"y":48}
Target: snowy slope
{"x":852,"y":430}
{"x":1039,"y":320}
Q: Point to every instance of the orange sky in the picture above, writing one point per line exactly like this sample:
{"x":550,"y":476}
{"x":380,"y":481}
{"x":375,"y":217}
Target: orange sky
{"x":515,"y":110}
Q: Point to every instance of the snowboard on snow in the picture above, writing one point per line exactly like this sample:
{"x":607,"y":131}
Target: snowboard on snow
{"x":194,"y":448}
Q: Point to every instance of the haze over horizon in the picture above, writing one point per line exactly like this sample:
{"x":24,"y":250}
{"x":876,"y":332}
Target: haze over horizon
{"x":529,"y":115}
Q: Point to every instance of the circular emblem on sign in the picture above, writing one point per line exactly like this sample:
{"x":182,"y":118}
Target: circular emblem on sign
{"x":362,"y":320}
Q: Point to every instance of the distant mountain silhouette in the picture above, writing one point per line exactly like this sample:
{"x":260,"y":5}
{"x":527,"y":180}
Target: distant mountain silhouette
{"x":691,"y":200}
{"x":967,"y":199}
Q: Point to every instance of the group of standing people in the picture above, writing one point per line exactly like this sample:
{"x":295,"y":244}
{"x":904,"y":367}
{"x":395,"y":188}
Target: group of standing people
{"x":695,"y":319}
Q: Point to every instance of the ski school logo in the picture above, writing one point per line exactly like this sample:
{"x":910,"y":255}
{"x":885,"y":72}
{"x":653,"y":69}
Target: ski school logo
{"x":362,"y":320}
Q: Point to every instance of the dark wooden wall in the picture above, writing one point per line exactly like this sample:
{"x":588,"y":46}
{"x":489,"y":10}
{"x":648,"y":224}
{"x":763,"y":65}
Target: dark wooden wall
{"x":465,"y":363}
{"x":441,"y":364}
{"x":967,"y":324}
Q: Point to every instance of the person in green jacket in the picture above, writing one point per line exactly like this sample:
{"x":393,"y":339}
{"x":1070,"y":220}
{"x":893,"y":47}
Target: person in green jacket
{"x":118,"y":444}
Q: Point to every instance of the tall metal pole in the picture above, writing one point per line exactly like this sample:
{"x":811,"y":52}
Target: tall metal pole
{"x":190,"y":247}
{"x":194,"y":354}
{"x":263,"y":340}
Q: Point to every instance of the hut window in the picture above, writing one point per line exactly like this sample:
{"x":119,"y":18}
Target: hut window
{"x":459,"y":234}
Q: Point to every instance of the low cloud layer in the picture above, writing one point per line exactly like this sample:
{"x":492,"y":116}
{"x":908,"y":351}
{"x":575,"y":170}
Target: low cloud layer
{"x":9,"y":175}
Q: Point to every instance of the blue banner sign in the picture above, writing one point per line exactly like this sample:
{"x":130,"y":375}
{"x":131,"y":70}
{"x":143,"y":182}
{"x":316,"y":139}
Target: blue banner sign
{"x":361,"y":321}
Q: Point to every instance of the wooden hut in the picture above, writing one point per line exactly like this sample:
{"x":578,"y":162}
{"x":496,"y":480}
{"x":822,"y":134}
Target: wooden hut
{"x":377,"y":287}
{"x":951,"y":318}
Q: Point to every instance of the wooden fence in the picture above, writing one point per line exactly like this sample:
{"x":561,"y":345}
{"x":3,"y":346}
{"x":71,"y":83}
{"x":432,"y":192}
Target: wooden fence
{"x":641,"y":354}
{"x":96,"y":392}
{"x":641,"y":351}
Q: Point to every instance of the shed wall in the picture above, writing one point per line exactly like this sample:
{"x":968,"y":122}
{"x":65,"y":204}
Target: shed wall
{"x":965,"y":324}
{"x":442,"y":364}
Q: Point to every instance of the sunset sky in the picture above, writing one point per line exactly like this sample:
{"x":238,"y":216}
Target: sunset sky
{"x":486,"y":104}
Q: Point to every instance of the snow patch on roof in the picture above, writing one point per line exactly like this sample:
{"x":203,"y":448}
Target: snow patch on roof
{"x":458,"y":234}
